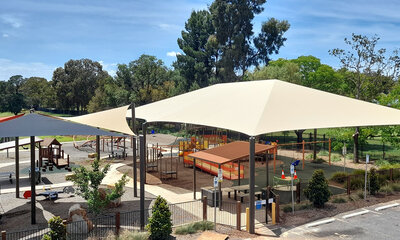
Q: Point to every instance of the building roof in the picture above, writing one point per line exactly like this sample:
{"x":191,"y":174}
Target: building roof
{"x":229,"y":152}
{"x":21,"y":142}
{"x":34,"y":124}
{"x":49,"y":141}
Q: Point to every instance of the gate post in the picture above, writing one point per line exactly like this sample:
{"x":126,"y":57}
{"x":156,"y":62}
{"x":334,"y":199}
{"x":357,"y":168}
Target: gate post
{"x":204,"y":208}
{"x":3,"y":235}
{"x":298,"y":191}
{"x":238,"y":215}
{"x":277,"y":208}
{"x":117,"y":223}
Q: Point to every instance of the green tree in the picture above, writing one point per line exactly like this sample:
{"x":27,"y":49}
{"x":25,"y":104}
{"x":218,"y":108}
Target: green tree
{"x":142,"y":78}
{"x":197,"y":62}
{"x":160,"y":223}
{"x":238,"y":48}
{"x":108,"y":95}
{"x":12,"y":96}
{"x":75,"y":84}
{"x":370,"y":71}
{"x":88,"y":182}
{"x":37,"y":92}
{"x":317,"y":190}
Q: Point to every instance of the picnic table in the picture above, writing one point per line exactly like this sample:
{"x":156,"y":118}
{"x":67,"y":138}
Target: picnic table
{"x":7,"y":175}
{"x":241,"y":188}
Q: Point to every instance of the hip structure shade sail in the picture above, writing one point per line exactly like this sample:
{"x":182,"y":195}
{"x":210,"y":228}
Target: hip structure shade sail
{"x":113,"y":119}
{"x":266,"y":106}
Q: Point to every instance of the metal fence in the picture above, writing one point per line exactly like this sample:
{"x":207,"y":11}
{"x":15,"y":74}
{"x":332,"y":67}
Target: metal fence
{"x":33,"y":234}
{"x":186,"y":212}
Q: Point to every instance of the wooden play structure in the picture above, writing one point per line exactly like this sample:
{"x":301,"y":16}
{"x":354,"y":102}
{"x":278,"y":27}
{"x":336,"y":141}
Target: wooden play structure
{"x":109,"y":144}
{"x":51,"y":154}
{"x":166,"y":166}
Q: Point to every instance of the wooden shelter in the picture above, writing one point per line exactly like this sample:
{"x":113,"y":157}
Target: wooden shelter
{"x":50,"y":151}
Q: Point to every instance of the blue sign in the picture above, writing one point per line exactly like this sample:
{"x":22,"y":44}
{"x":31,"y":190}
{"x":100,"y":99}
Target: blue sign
{"x":258,"y":204}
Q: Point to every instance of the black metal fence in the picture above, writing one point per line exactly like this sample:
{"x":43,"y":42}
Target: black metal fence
{"x":33,"y":234}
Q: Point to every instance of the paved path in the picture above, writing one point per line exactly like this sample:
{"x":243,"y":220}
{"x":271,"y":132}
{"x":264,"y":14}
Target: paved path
{"x":365,"y":223}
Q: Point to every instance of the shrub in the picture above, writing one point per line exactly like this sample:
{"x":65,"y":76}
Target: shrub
{"x":128,"y":235}
{"x":57,"y":229}
{"x":318,"y":160}
{"x":396,"y":187}
{"x":336,"y":158}
{"x":310,"y":156}
{"x":339,"y":200}
{"x":194,"y":227}
{"x":358,"y":172}
{"x":287,"y":209}
{"x":323,"y":153}
{"x":374,"y":183}
{"x":160,"y":224}
{"x":355,"y":183}
{"x":317,"y":190}
{"x":360,"y":195}
{"x":339,"y":177}
{"x":387,"y":189}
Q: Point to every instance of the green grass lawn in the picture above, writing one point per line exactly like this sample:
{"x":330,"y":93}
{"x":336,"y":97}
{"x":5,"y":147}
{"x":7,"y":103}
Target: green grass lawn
{"x":7,"y":114}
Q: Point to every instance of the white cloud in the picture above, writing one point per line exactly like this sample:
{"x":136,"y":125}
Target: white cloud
{"x":169,"y":27}
{"x":111,"y":68}
{"x":5,"y":35}
{"x":10,"y":68}
{"x":173,"y":54}
{"x":11,"y":20}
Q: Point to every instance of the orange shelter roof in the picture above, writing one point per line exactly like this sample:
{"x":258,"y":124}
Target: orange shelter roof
{"x":229,"y":152}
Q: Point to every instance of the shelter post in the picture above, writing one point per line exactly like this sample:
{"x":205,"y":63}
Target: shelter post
{"x":252,"y":183}
{"x":330,"y":142}
{"x":134,"y":151}
{"x":303,"y":152}
{"x":275,"y":151}
{"x":142,"y":173}
{"x":219,"y":188}
{"x":112,"y":146}
{"x":17,"y":167}
{"x":266,"y":163}
{"x":98,"y":147}
{"x":124,"y":148}
{"x":239,"y":172}
{"x":33,"y":182}
{"x":194,"y":178}
{"x":144,"y":130}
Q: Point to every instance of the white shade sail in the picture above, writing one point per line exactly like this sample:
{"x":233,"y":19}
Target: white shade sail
{"x":113,"y":119}
{"x":258,"y":107}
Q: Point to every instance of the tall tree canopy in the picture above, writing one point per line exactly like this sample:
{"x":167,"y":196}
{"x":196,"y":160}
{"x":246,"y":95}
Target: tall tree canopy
{"x":369,"y":71}
{"x":75,"y":84}
{"x":147,"y":79}
{"x":219,"y":44}
{"x":38,"y":92}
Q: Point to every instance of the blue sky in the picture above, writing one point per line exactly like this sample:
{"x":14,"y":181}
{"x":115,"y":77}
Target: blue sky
{"x":36,"y":36}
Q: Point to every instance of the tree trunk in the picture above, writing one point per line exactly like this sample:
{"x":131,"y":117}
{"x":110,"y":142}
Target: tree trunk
{"x":299,"y":134}
{"x":356,"y":144}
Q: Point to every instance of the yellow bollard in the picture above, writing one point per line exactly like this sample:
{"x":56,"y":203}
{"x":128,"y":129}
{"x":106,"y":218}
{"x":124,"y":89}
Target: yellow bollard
{"x":273,"y":213}
{"x":247,"y":219}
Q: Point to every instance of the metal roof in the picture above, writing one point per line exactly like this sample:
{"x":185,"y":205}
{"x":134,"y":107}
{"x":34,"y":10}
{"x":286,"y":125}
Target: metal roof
{"x":34,"y":124}
{"x":229,"y":152}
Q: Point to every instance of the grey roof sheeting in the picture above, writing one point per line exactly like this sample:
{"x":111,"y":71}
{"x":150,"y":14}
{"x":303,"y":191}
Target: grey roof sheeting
{"x":34,"y":124}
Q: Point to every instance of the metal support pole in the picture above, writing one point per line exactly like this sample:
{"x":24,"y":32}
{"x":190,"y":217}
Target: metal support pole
{"x":144,"y":129}
{"x":33,"y":182}
{"x":17,"y":167}
{"x":97,"y":147}
{"x":239,"y":172}
{"x":142,"y":174}
{"x":194,"y":178}
{"x":220,"y":189}
{"x":134,"y":157}
{"x":112,"y":146}
{"x":252,"y":183}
